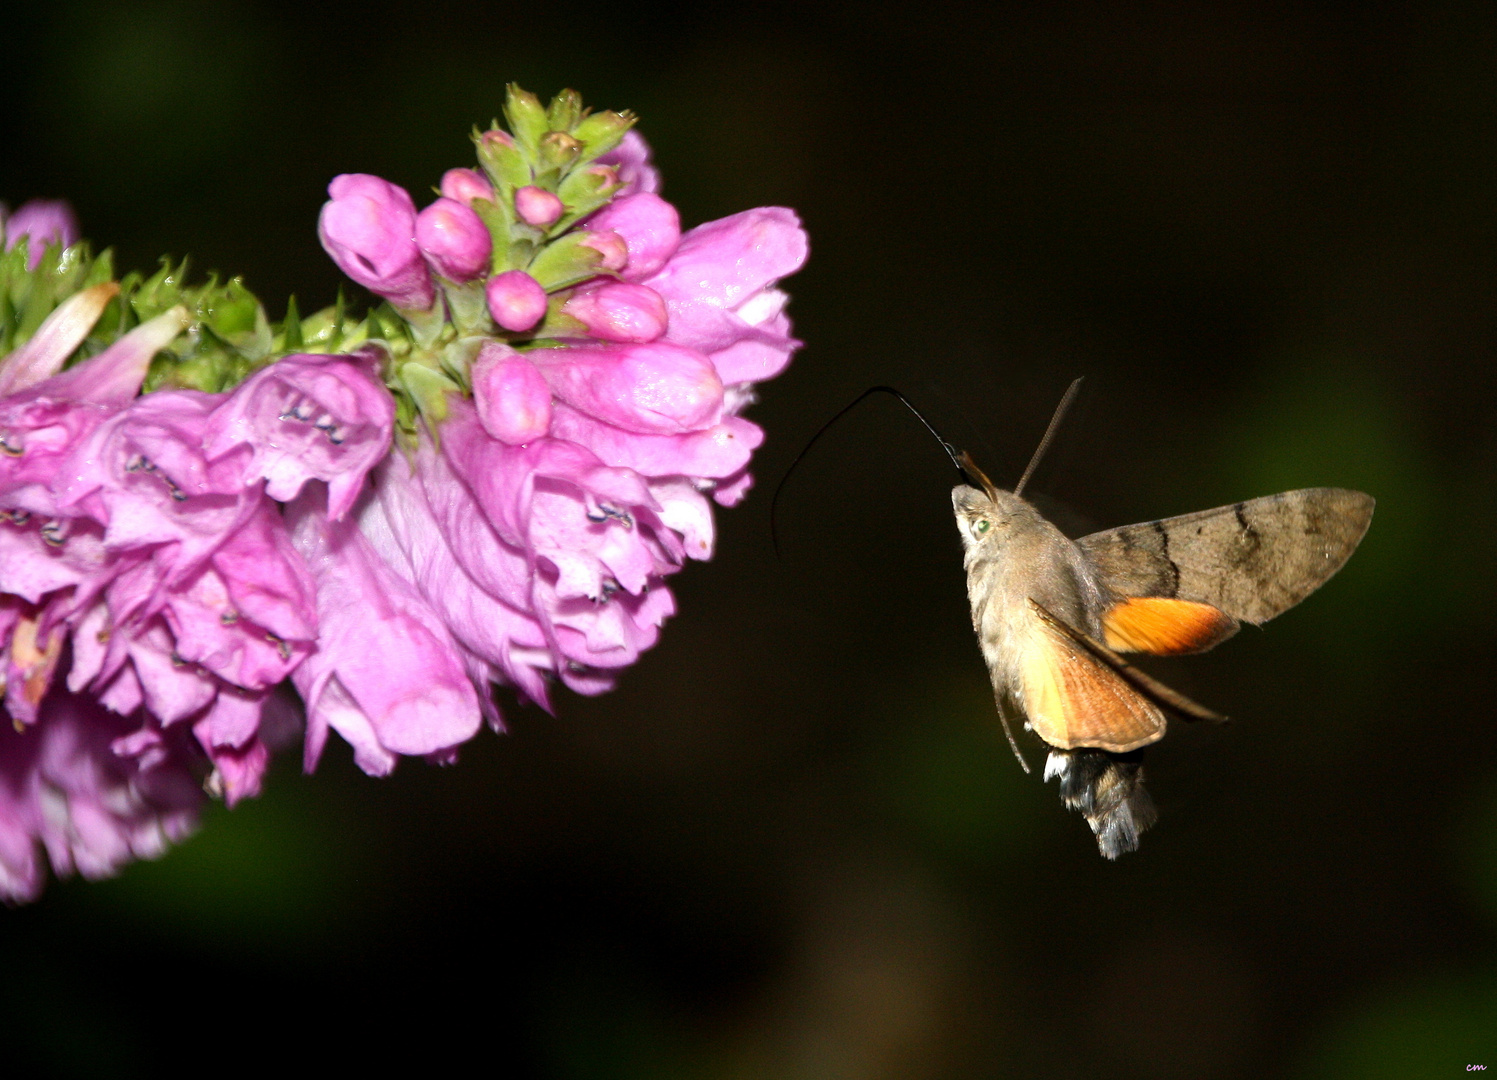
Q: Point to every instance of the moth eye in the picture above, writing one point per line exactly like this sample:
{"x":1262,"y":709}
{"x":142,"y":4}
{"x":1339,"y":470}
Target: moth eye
{"x":982,"y":525}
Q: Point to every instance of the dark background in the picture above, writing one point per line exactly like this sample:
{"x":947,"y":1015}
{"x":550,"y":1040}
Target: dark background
{"x":793,"y":843}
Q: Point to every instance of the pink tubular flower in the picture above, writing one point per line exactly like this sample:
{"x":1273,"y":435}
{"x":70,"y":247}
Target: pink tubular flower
{"x":513,"y":400}
{"x":618,"y":311}
{"x":650,"y":228}
{"x":41,"y":222}
{"x":719,"y":288}
{"x":386,"y":674}
{"x":455,"y":242}
{"x":307,"y":417}
{"x":369,"y":228}
{"x":653,"y":389}
{"x":91,"y":789}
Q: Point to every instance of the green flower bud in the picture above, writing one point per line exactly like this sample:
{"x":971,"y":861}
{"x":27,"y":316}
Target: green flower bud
{"x":566,"y":109}
{"x":527,"y":120}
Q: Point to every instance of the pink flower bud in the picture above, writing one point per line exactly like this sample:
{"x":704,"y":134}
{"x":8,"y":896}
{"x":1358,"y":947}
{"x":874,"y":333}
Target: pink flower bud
{"x":650,"y":227}
{"x":616,"y":311}
{"x":612,"y":246}
{"x":465,"y":185}
{"x":516,"y":300}
{"x":499,"y":137}
{"x":369,"y":228}
{"x":514,"y":402}
{"x":538,"y":207}
{"x":454,"y":240}
{"x":43,"y":222}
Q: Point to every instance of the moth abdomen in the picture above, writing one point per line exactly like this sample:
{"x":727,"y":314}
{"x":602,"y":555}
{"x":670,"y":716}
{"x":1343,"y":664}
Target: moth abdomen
{"x":1108,"y":790}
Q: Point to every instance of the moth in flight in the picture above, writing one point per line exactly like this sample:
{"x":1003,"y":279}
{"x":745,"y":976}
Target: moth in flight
{"x":1053,"y":615}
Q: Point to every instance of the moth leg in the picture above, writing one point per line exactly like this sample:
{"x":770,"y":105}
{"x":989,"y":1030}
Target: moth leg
{"x":1108,"y":790}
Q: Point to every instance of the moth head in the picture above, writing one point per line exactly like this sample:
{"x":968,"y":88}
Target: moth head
{"x":984,"y":517}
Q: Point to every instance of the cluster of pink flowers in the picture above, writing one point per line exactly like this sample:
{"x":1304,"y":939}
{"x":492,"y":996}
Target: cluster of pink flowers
{"x":497,"y":496}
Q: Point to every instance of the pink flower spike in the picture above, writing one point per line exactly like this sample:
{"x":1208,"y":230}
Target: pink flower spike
{"x":369,"y":228}
{"x":618,"y":311}
{"x":612,"y":246}
{"x":307,"y":417}
{"x":44,"y":353}
{"x":41,"y":222}
{"x":651,"y":229}
{"x":465,"y":185}
{"x":654,"y":389}
{"x":513,"y":399}
{"x":386,"y":675}
{"x":516,"y":300}
{"x":455,"y":242}
{"x":538,"y":207}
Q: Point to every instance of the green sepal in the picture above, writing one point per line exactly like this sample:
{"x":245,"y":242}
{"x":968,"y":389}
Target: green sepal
{"x":291,"y":338}
{"x":469,"y":307}
{"x":565,"y":261}
{"x":559,"y":324}
{"x":504,"y":163}
{"x":428,"y":389}
{"x":584,"y":191}
{"x":602,"y":131}
{"x":565,"y":110}
{"x":498,"y":218}
{"x":527,"y":120}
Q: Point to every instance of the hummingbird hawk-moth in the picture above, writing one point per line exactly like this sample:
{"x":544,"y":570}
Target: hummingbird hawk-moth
{"x":1053,"y":615}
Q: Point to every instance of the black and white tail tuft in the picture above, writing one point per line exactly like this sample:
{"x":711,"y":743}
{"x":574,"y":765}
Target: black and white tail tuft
{"x":1108,"y":790}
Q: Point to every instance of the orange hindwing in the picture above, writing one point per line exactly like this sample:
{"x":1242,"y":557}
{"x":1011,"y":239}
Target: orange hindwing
{"x":1165,"y":627}
{"x":1074,"y":700}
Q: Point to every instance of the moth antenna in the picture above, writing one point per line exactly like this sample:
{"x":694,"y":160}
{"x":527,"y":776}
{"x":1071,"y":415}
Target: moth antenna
{"x":1007,"y":730}
{"x":969,"y":472}
{"x":1039,"y":451}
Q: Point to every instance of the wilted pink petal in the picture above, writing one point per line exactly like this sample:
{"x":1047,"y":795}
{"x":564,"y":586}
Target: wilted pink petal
{"x":307,"y":417}
{"x":516,"y":300}
{"x":65,"y":788}
{"x":369,"y":228}
{"x":632,"y":159}
{"x":44,"y":353}
{"x":656,"y":388}
{"x":650,"y":228}
{"x":454,"y":240}
{"x":386,"y":675}
{"x":617,"y":311}
{"x":512,"y":396}
{"x":41,"y":222}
